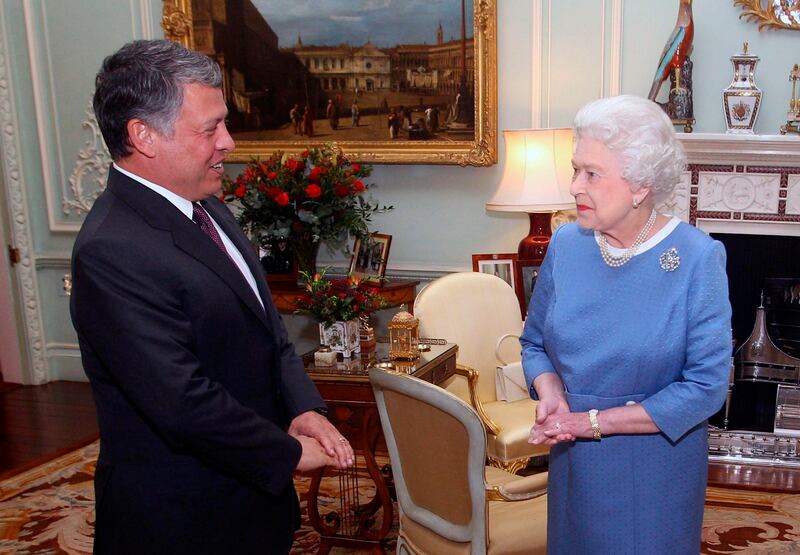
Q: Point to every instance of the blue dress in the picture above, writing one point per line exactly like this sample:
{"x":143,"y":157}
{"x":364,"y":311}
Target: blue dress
{"x":641,"y":334}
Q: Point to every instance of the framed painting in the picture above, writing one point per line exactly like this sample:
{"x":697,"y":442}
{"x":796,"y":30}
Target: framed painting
{"x":392,"y":82}
{"x":500,"y":265}
{"x":369,"y":258}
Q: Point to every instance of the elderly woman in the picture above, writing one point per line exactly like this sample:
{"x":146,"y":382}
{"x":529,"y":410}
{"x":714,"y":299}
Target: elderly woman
{"x":627,"y":345}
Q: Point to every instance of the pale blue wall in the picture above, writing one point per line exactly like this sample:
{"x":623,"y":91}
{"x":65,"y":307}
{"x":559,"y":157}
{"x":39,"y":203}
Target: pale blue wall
{"x":440,"y":218}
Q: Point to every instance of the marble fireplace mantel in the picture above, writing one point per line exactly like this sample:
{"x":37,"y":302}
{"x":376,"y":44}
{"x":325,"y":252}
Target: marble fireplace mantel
{"x":748,"y":184}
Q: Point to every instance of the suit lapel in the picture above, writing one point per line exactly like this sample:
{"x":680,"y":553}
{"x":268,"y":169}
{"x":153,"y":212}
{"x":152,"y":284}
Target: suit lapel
{"x":187,"y":236}
{"x":225,"y":219}
{"x":194,"y":242}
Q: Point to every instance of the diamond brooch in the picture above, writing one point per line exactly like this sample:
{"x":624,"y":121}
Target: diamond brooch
{"x":669,"y":260}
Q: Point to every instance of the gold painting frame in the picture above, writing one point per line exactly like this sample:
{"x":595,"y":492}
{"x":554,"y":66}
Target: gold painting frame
{"x":481,"y":151}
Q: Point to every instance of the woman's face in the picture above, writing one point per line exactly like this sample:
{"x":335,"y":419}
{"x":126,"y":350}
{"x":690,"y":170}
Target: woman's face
{"x":603,"y":198}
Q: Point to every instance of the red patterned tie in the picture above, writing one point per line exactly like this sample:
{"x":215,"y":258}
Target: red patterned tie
{"x":201,"y":218}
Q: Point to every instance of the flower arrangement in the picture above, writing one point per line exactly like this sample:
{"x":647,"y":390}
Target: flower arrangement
{"x":331,"y":300}
{"x":308,"y":198}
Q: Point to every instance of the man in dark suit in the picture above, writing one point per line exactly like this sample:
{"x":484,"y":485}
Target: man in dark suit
{"x":205,"y":410}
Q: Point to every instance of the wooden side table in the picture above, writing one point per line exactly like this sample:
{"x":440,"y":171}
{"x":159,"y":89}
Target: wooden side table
{"x":396,"y":292}
{"x":346,"y":389}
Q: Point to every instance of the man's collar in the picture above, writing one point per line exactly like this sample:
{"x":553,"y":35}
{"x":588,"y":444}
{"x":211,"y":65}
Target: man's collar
{"x":182,"y":204}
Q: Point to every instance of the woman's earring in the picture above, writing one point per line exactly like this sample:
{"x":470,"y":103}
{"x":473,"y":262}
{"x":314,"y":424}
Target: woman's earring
{"x":635,"y":203}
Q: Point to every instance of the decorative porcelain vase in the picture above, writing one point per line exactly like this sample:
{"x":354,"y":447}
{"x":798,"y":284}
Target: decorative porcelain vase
{"x":341,"y":337}
{"x":742,"y":99}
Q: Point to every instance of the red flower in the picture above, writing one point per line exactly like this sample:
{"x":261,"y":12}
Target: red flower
{"x":250,"y":173}
{"x":272,"y":175}
{"x":313,"y":191}
{"x":294,"y":165}
{"x":358,"y":186}
{"x":282,"y":199}
{"x":273,"y":192}
{"x":263,"y":167}
{"x":356,"y":167}
{"x":314,"y":174}
{"x":262,"y":187}
{"x":341,"y":190}
{"x":241,"y":191}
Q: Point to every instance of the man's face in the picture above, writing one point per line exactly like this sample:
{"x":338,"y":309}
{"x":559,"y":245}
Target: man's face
{"x":190,"y":162}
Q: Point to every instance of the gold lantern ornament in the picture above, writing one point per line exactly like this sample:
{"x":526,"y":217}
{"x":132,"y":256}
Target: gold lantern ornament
{"x":403,"y":337}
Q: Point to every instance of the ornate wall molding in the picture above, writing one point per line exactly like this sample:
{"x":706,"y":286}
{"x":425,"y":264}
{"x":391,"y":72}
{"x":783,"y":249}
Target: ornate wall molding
{"x":615,"y":62}
{"x":20,"y":226}
{"x":536,"y":64}
{"x":88,"y":177}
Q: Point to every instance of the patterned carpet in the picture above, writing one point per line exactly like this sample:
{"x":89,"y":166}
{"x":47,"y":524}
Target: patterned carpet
{"x":49,"y":510}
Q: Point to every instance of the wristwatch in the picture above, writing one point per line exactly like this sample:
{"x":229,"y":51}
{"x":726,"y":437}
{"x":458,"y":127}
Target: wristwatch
{"x":595,"y":424}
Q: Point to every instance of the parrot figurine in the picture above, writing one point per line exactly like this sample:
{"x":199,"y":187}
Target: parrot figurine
{"x":676,"y":49}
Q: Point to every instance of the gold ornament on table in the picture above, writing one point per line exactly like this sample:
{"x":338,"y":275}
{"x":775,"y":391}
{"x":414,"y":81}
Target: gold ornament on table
{"x":793,"y":117}
{"x":366,"y":334}
{"x":403,"y":337}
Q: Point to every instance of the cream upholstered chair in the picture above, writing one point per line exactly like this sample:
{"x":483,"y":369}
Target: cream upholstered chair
{"x":450,"y":501}
{"x":475,"y":311}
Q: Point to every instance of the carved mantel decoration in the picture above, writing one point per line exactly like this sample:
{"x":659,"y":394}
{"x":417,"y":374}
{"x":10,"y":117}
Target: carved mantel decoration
{"x":737,"y":184}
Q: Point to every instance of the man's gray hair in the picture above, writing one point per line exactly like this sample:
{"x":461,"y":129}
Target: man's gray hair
{"x":144,"y":80}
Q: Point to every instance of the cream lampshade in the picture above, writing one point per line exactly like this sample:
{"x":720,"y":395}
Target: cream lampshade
{"x":536,"y":180}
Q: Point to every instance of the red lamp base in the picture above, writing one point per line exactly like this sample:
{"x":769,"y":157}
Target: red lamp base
{"x":534,"y":246}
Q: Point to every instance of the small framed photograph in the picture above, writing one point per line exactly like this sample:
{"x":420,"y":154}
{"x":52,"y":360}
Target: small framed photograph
{"x":527,"y":271}
{"x":500,"y":265}
{"x":278,"y":260}
{"x":369,"y":258}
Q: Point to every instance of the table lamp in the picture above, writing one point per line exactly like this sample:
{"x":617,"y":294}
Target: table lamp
{"x":536,"y":180}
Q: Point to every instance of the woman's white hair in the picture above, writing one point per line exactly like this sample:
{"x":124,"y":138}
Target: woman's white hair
{"x":642,"y":135}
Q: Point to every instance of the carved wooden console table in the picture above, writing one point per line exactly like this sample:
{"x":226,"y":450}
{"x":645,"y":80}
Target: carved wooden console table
{"x":345,"y":387}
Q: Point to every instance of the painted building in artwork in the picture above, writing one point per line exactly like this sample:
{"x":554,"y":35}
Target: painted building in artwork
{"x":260,"y":82}
{"x":372,"y":68}
{"x":431,"y":68}
{"x":340,"y":68}
{"x":445,"y":60}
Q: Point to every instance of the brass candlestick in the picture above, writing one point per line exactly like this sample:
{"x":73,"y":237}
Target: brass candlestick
{"x":793,"y":116}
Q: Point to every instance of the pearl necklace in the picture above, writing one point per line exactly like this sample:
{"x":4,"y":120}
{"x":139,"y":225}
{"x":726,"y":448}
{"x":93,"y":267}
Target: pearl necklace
{"x":617,"y":261}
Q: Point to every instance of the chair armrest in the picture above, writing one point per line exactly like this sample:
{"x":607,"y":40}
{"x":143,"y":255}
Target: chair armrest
{"x":500,"y":342}
{"x":472,"y":381}
{"x":520,"y":489}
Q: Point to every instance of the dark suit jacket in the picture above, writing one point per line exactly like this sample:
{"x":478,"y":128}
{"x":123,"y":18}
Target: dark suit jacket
{"x":195,"y":383}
